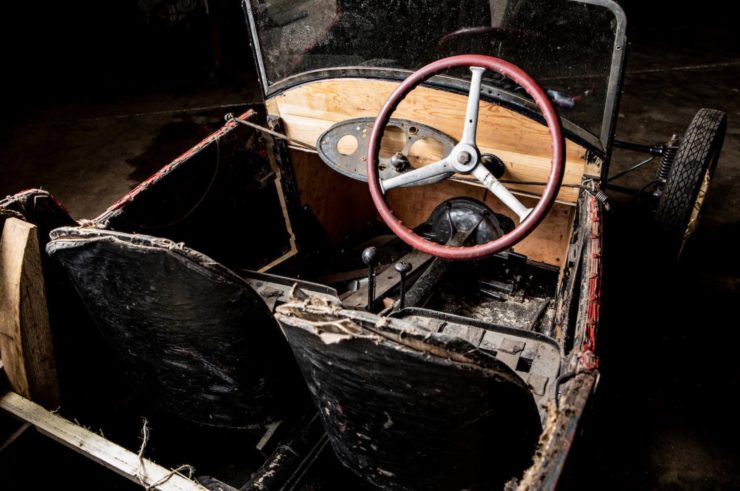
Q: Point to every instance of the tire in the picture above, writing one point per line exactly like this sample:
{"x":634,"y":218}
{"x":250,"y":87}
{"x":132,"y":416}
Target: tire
{"x":680,"y":204}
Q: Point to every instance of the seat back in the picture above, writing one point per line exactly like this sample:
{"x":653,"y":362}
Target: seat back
{"x":192,"y":336}
{"x":410,"y":409}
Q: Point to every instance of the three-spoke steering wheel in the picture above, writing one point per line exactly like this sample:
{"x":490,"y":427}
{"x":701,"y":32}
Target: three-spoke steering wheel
{"x":465,"y":158}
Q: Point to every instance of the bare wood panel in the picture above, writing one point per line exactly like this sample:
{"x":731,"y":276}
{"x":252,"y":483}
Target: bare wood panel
{"x":93,"y":446}
{"x":342,"y":205}
{"x":25,"y":337}
{"x":524,"y":145}
{"x":548,"y":243}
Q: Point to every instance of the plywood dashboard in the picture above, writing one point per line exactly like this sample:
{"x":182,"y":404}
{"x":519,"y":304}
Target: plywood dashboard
{"x":343,"y":205}
{"x":523,"y":144}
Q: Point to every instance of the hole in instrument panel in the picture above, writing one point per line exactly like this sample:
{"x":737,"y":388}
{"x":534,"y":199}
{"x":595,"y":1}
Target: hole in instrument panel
{"x":425,"y":151}
{"x":347,"y":145}
{"x":524,"y":365}
{"x":394,"y":139}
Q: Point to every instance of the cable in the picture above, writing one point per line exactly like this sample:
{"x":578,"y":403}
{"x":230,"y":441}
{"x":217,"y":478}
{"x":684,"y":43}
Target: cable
{"x":231,"y":117}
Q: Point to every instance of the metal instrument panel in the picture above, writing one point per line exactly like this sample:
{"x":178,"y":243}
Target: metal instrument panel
{"x":354,"y":164}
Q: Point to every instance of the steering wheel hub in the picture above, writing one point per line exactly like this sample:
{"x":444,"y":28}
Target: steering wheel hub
{"x":464,"y":158}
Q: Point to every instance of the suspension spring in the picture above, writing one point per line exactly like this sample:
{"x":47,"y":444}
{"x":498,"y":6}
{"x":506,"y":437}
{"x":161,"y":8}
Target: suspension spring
{"x":666,"y":160}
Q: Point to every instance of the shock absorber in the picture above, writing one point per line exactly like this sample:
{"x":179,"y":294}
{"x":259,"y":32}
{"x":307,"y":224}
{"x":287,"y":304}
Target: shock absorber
{"x":666,"y":160}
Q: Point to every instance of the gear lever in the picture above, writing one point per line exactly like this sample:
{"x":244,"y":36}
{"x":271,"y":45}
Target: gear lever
{"x":370,"y":258}
{"x":403,"y":269}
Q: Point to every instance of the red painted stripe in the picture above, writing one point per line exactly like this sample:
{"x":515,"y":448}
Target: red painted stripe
{"x":588,"y":358}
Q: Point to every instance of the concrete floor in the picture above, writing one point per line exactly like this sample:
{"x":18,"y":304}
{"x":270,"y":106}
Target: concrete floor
{"x":89,"y":154}
{"x":662,"y":418}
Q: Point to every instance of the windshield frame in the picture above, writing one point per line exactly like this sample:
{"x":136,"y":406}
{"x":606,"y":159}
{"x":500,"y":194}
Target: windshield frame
{"x":601,"y":144}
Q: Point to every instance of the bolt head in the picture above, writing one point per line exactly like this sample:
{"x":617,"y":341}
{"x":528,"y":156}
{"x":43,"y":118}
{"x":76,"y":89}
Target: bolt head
{"x":399,"y":161}
{"x":464,"y":157}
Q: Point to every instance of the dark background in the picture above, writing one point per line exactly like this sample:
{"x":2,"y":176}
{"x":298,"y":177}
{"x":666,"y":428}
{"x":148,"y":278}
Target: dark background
{"x":87,"y":48}
{"x":95,"y":99}
{"x":100,"y":49}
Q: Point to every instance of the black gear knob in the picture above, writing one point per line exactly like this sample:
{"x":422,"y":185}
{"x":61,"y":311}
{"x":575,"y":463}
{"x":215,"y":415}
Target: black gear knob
{"x":370,"y":256}
{"x":403,"y":267}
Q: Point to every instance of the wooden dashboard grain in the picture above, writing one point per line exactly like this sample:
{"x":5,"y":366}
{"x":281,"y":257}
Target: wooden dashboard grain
{"x":523,"y":144}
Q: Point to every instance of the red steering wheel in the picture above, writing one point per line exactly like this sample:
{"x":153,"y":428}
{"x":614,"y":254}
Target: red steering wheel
{"x":465,"y":158}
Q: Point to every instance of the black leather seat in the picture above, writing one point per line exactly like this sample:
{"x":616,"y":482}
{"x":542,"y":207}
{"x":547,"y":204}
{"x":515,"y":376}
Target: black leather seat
{"x":192,"y":336}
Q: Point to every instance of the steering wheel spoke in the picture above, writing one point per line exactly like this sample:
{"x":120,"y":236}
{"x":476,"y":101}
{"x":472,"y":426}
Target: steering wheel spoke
{"x":485,"y":177}
{"x":471,"y":114}
{"x":428,"y":174}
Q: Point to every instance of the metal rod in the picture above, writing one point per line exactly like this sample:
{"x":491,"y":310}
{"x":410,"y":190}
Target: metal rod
{"x":231,"y":117}
{"x":403,"y":268}
{"x":656,"y":150}
{"x":370,"y":287}
{"x":370,"y":258}
{"x":633,"y":168}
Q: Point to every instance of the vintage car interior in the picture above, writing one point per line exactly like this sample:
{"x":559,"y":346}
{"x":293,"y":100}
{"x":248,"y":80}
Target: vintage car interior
{"x":422,"y":256}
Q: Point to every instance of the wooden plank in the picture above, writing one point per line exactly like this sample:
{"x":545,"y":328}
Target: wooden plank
{"x":523,"y":144}
{"x":95,"y":447}
{"x":25,"y":337}
{"x":286,"y":216}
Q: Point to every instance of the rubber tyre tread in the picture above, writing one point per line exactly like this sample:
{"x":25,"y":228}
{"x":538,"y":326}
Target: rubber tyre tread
{"x":698,"y":153}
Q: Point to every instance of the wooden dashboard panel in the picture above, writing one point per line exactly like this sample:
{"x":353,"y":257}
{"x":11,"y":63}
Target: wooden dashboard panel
{"x":343,"y":207}
{"x":523,"y":144}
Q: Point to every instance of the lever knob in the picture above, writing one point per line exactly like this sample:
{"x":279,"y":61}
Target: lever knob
{"x":370,"y":256}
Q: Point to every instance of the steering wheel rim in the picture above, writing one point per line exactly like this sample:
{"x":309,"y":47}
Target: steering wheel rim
{"x":537,"y":214}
